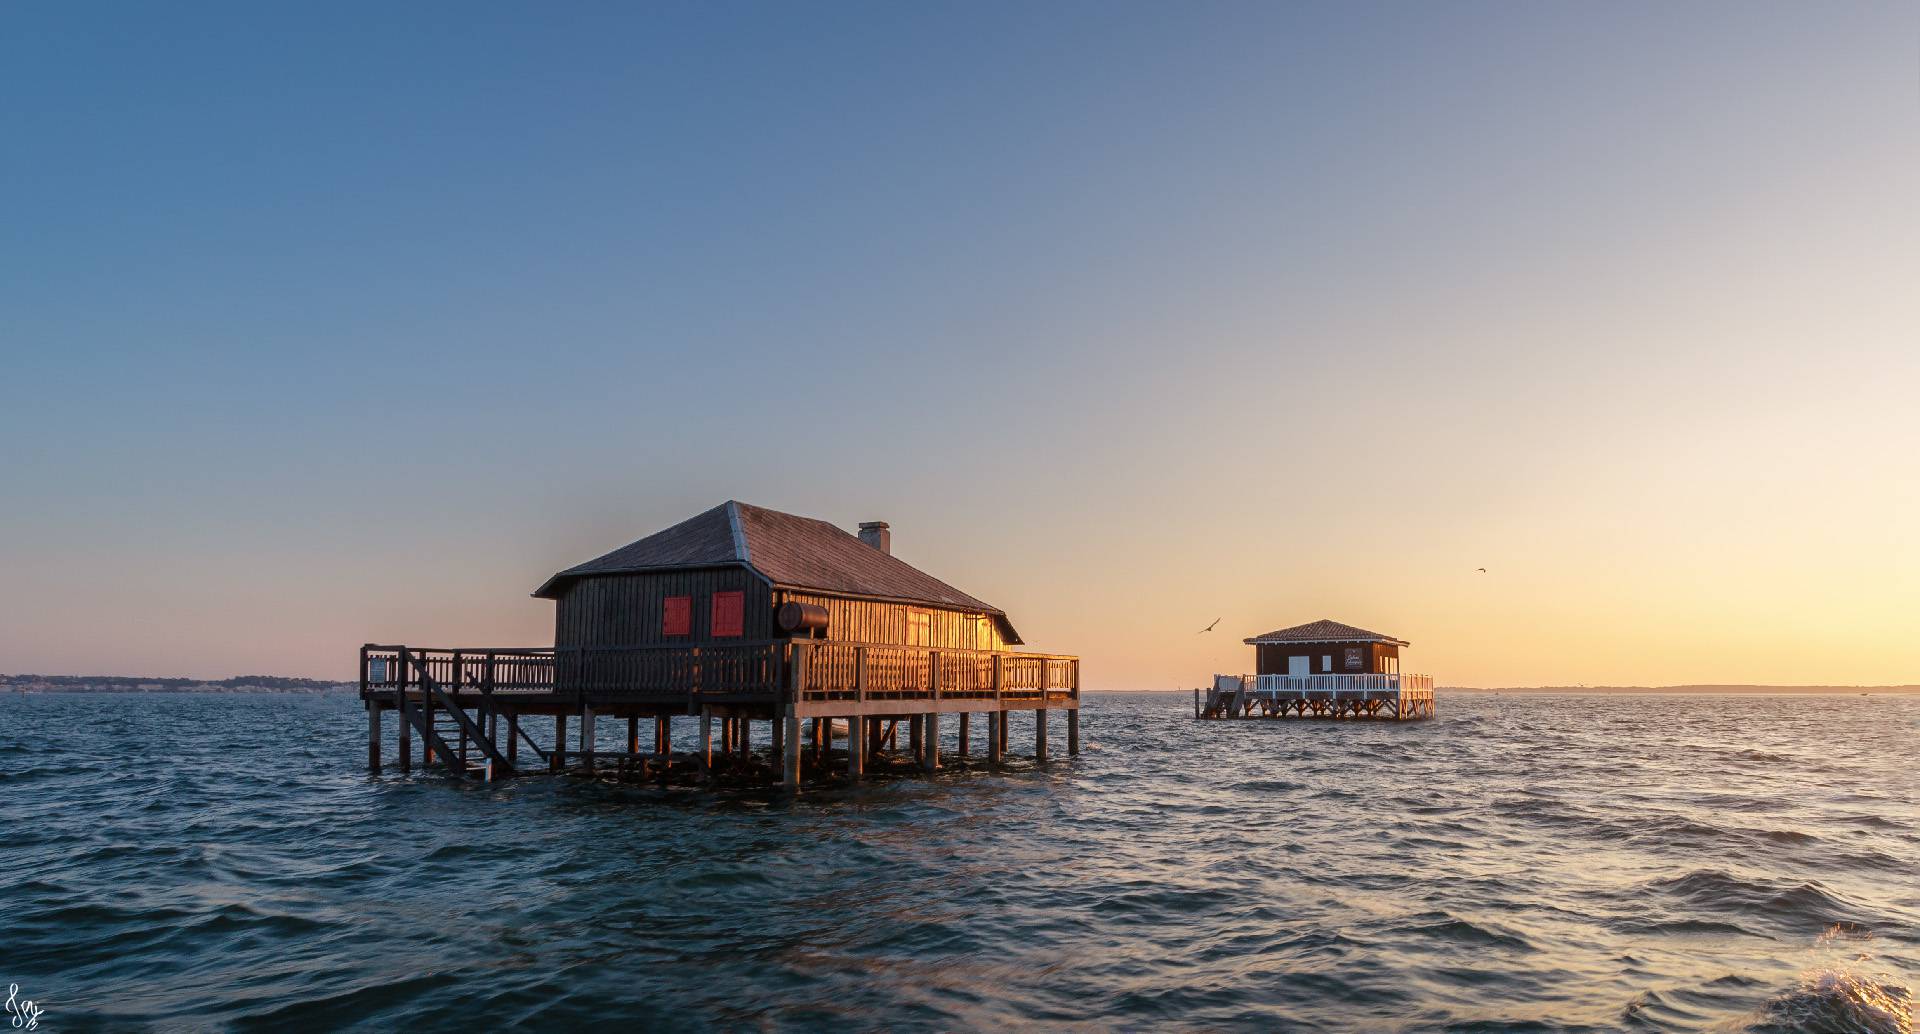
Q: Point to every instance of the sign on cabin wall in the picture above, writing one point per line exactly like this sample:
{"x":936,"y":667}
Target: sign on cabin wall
{"x":1355,"y":658}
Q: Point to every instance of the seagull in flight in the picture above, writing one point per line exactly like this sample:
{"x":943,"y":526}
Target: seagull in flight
{"x":1483,"y":570}
{"x":1209,"y":628}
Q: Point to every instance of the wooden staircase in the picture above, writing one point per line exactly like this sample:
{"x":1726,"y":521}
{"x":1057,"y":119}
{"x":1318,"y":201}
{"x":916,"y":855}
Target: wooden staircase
{"x":1226,"y":699}
{"x":464,"y":743}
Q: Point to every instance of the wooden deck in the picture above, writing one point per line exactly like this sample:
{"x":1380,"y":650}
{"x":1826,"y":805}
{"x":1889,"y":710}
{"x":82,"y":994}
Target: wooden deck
{"x":1392,"y":697}
{"x":467,"y":704}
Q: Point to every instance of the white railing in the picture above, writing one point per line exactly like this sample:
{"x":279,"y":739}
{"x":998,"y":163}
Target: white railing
{"x":1278,"y":685}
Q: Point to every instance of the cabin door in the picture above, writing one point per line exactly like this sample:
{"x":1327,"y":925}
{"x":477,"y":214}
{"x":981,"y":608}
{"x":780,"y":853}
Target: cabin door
{"x":1299,"y":666}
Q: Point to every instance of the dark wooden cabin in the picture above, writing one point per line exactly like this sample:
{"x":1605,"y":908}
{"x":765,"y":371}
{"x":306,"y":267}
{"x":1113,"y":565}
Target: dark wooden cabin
{"x":722,"y":576}
{"x":1326,"y":647}
{"x":737,"y":615}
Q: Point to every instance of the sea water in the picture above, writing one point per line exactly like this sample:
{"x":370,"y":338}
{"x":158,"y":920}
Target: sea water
{"x":1550,"y":863}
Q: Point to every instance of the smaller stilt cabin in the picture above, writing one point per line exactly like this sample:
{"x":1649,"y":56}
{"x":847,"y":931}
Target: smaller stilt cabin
{"x":735,"y":615}
{"x":1325,"y":647}
{"x":1324,"y":669}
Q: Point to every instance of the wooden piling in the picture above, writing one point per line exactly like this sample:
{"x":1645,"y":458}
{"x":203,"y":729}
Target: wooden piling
{"x":1040,"y":736}
{"x":513,"y":739}
{"x":373,"y":736}
{"x":966,"y":723}
{"x":559,"y":743}
{"x":706,"y":741}
{"x":586,"y":736}
{"x":917,"y":736}
{"x":930,"y":761}
{"x":633,"y":734}
{"x":406,"y":739}
{"x":996,"y":738}
{"x":790,"y":763}
{"x":1073,"y":732}
{"x":856,"y":747}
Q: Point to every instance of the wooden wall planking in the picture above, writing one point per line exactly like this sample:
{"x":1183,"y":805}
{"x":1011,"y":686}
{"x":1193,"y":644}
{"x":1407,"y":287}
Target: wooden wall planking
{"x":1271,"y":659}
{"x":627,"y":609}
{"x":882,"y":621}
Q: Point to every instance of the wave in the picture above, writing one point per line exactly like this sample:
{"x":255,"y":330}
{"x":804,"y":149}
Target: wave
{"x":1838,"y":1000}
{"x":1721,"y":891}
{"x":1681,"y":927}
{"x":1447,"y":927}
{"x":1269,"y":786}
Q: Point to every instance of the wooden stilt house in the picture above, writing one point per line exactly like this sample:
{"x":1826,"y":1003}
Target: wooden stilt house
{"x":1321,"y":669}
{"x":741,"y":614}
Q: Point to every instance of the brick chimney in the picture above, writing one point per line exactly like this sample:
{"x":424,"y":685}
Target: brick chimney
{"x":875,"y":534}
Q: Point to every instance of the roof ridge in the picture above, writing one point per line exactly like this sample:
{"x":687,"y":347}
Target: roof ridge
{"x":741,"y":550}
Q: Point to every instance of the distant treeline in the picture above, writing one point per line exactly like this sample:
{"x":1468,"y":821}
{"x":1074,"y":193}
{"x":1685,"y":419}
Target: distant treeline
{"x":147,"y":684}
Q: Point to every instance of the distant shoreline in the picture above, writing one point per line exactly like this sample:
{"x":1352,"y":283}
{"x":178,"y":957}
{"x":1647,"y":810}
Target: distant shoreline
{"x":1640,"y":690}
{"x":23,"y":684}
{"x":1692,"y":690}
{"x":344,"y":687}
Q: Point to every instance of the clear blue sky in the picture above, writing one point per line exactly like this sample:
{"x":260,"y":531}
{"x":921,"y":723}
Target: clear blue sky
{"x":328,"y":323}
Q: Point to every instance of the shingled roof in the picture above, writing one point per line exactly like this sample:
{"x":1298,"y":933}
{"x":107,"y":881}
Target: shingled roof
{"x":1324,"y":631}
{"x":788,"y":551}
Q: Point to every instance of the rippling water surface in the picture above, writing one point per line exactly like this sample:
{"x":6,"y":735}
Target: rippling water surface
{"x":1520,"y":863}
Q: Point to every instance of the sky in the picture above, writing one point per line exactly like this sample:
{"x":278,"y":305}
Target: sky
{"x":328,"y":324}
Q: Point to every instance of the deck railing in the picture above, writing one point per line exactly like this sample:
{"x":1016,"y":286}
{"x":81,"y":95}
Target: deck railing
{"x":469,"y":670}
{"x":1404,"y":684}
{"x":870,"y":671}
{"x":814,"y":670}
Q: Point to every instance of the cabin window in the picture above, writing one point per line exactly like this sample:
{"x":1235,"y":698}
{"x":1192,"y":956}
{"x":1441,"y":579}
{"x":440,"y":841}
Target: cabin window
{"x":1326,"y":662}
{"x":919,"y":628}
{"x":729,"y":613}
{"x":677,"y":618}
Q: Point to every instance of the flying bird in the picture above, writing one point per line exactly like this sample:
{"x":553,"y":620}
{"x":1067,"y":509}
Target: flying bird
{"x":1209,"y":628}
{"x":1483,"y":570}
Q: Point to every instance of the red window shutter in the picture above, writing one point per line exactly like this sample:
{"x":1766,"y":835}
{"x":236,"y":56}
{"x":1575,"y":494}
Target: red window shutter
{"x":729,"y":614}
{"x":677,"y":619}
